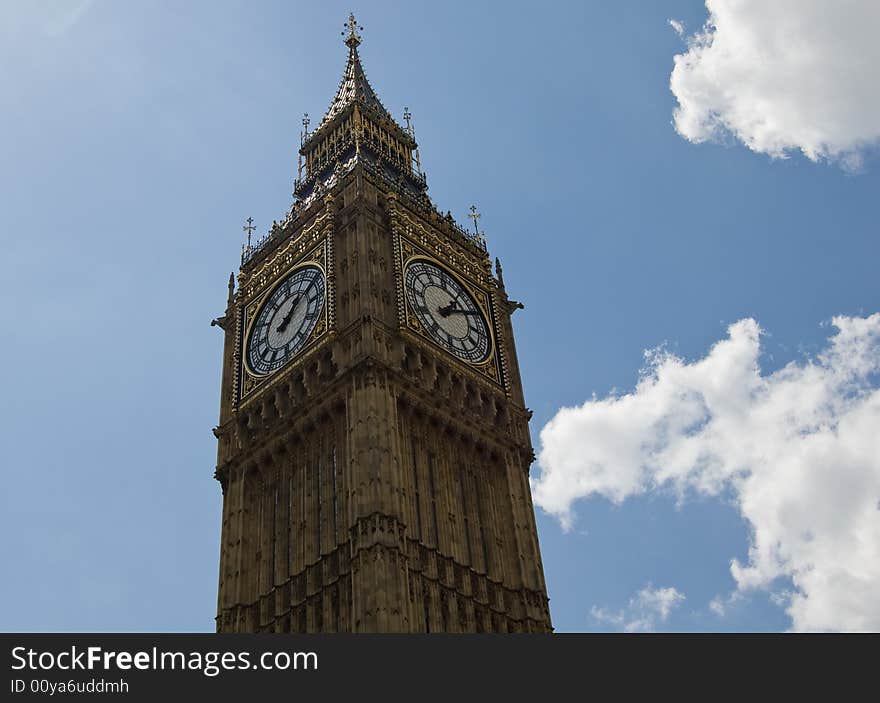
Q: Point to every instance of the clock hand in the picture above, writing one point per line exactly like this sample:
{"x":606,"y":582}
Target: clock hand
{"x":447,"y":310}
{"x":287,"y":317}
{"x":465,"y":312}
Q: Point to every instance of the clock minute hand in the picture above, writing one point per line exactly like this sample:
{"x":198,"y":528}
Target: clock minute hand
{"x":287,"y":317}
{"x":465,"y":312}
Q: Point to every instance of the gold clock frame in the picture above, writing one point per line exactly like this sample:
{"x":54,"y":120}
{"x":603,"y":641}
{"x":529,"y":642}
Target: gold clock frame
{"x":249,"y":383}
{"x":258,"y":308}
{"x":415,"y":323}
{"x":490,"y":367}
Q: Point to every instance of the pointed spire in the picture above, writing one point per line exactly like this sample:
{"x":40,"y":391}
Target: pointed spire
{"x":354,"y":86}
{"x":231,"y":289}
{"x":357,"y":128}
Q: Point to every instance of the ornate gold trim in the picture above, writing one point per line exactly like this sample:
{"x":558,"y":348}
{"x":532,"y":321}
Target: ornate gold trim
{"x":249,"y":382}
{"x":405,"y":253}
{"x":255,"y":306}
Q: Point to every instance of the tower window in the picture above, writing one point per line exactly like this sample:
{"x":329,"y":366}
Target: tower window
{"x":433,"y":499}
{"x":316,"y":491}
{"x":290,"y":523}
{"x":335,"y":514}
{"x":462,"y":500}
{"x":483,"y":527}
{"x":273,"y":532}
{"x":416,"y":499}
{"x":427,"y":601}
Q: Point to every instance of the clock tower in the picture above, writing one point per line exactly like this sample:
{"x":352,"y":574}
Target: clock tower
{"x":373,"y":438}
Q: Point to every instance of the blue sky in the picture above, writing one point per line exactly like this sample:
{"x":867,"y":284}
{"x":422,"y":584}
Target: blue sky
{"x":138,"y":136}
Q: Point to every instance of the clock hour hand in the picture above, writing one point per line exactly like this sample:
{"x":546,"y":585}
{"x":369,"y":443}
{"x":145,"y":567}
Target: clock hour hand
{"x":447,"y":310}
{"x":287,"y":317}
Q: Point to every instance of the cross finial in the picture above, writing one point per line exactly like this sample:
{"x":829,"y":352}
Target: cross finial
{"x":474,"y":215}
{"x":410,"y":130}
{"x":352,"y":40}
{"x":249,"y":227}
{"x":306,"y":122}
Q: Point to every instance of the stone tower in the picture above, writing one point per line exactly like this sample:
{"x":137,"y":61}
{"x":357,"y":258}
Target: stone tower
{"x":373,"y":438}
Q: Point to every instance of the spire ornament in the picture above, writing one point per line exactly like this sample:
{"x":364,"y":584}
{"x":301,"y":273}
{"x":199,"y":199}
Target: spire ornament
{"x":474,"y":215}
{"x":249,"y":227}
{"x":410,"y":130}
{"x":499,"y":272}
{"x":353,"y":39}
{"x":303,"y":135}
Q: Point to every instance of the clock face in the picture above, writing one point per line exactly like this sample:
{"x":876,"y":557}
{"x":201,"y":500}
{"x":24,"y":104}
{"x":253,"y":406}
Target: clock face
{"x":447,"y":311}
{"x":286,"y":320}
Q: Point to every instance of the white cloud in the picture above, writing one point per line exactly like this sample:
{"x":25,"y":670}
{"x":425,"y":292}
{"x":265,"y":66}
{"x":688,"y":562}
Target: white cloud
{"x":798,"y":450}
{"x":644,"y":610}
{"x":721,"y":605}
{"x":783,"y":76}
{"x":677,"y":26}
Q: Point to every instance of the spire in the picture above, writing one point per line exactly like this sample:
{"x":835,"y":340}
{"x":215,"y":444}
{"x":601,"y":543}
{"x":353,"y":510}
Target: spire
{"x":357,"y":130}
{"x":354,"y":86}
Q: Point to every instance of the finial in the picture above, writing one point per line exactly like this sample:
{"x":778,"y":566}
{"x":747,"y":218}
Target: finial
{"x":410,"y":130}
{"x":475,"y":216}
{"x":302,"y":140}
{"x":499,"y":274}
{"x":352,"y":40}
{"x":231,"y":288}
{"x":249,"y":227}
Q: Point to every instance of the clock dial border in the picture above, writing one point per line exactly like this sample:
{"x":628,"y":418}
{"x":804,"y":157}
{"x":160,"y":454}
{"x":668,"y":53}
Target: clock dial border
{"x":247,"y":385}
{"x":474,"y":295}
{"x":492,"y":370}
{"x":261,"y":302}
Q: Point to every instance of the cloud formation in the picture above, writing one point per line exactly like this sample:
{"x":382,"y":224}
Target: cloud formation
{"x":783,"y":76}
{"x":645,"y":609}
{"x":797,"y":450}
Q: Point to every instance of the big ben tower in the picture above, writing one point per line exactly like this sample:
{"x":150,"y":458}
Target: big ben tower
{"x":373,"y":438}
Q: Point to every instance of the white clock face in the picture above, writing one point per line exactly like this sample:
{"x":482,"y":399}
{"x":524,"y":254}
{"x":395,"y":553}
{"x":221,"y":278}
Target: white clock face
{"x":447,"y":311}
{"x":286,"y":320}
